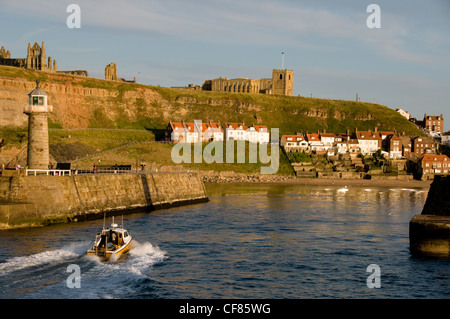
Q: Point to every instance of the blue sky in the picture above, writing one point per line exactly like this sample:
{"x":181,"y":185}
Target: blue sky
{"x":404,"y":64}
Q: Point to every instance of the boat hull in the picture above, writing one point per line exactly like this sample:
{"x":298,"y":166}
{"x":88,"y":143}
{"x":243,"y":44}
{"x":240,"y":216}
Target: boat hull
{"x":117,"y":254}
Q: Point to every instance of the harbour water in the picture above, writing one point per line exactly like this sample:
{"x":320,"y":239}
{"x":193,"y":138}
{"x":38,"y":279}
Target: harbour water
{"x":249,"y":241}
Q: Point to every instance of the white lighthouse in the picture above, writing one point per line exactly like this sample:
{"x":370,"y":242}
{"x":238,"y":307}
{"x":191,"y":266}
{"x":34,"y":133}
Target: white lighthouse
{"x":38,"y":145}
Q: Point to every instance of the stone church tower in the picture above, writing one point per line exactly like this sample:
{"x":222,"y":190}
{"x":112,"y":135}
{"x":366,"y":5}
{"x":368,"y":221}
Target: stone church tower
{"x":38,"y":145}
{"x":111,"y":72}
{"x":282,"y":82}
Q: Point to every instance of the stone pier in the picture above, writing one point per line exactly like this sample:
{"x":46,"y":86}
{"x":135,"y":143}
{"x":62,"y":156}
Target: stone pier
{"x":429,"y":233}
{"x":27,"y":201}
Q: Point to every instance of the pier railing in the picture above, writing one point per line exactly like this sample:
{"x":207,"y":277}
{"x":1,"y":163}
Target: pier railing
{"x":66,"y":172}
{"x":55,"y":172}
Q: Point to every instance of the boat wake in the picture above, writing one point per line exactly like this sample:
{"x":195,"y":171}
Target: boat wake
{"x":50,"y":257}
{"x":46,"y":274}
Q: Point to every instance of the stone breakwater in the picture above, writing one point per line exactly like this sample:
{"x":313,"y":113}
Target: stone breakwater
{"x":429,"y":232}
{"x":42,"y":200}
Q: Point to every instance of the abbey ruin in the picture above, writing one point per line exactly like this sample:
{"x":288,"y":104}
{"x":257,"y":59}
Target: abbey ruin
{"x":37,"y":60}
{"x":281,"y":83}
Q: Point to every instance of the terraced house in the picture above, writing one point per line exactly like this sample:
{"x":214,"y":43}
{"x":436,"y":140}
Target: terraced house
{"x":369,"y":142}
{"x":198,"y":131}
{"x":434,"y":164}
{"x":252,"y":134}
{"x":390,"y":144}
{"x":294,"y":143}
{"x":193,"y":132}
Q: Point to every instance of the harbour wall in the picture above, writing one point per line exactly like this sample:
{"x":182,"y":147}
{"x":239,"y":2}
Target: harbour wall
{"x":429,"y":232}
{"x":27,"y":201}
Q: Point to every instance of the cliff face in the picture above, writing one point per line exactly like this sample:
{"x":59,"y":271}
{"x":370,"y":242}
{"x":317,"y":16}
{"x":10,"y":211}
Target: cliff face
{"x":76,"y":106}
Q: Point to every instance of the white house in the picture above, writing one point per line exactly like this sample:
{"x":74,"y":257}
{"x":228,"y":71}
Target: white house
{"x":369,"y":142}
{"x":235,"y":131}
{"x":294,"y":143}
{"x":175,"y":132}
{"x":445,"y":138}
{"x":263,"y":134}
{"x":209,"y":131}
{"x":191,"y":134}
{"x":315,"y":144}
{"x":404,"y":113}
{"x":328,"y":140}
{"x":253,"y":134}
{"x":181,"y":132}
{"x":341,"y":143}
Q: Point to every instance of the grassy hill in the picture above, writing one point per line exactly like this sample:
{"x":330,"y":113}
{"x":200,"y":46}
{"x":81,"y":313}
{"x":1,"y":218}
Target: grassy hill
{"x":289,"y":114}
{"x":137,"y":106}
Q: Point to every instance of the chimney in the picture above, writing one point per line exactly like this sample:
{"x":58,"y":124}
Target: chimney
{"x":376,"y":129}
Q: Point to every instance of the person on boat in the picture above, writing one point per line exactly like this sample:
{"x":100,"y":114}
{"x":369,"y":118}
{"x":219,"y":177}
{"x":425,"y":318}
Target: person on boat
{"x":113,"y":237}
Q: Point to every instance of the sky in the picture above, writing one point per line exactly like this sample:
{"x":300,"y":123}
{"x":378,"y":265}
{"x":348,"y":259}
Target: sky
{"x":405,"y":63}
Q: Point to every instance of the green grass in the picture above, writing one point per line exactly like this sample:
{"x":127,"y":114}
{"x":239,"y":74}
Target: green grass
{"x":13,"y":136}
{"x":299,"y":157}
{"x":101,"y":139}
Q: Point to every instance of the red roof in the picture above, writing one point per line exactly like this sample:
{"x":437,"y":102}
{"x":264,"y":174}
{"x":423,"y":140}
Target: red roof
{"x":313,"y":137}
{"x":235,"y":126}
{"x":328,"y":134}
{"x":295,"y":138}
{"x":434,"y":157}
{"x":368,"y":135}
{"x":176,"y":125}
{"x":190,"y":127}
{"x":261,"y":128}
